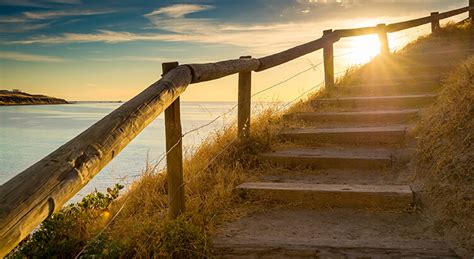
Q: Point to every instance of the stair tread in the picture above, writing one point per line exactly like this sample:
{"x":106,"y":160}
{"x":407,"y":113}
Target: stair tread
{"x":310,"y":130}
{"x":381,"y":112}
{"x":312,"y":187}
{"x":354,"y":153}
{"x":385,"y":97}
{"x":331,"y":232}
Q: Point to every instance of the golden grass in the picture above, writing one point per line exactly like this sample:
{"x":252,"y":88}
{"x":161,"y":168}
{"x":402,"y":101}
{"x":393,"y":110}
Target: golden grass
{"x":211,"y":174}
{"x":446,"y":158}
{"x":141,"y":228}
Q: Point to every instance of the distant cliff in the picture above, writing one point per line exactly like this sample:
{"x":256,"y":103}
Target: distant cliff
{"x":20,"y":98}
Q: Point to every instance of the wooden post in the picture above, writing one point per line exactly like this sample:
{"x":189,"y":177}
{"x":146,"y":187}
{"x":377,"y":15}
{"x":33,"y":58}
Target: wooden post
{"x":244,"y":103}
{"x":328,"y":54}
{"x":471,"y":12}
{"x":435,"y":23}
{"x":383,"y":38}
{"x":174,"y":153}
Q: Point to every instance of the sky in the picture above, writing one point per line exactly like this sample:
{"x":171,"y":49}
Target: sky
{"x":112,"y":50}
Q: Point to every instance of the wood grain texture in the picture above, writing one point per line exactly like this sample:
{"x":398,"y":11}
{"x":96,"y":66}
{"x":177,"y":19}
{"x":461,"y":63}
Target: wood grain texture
{"x":471,"y":9}
{"x":328,"y":56}
{"x":383,"y":38}
{"x":293,"y":53}
{"x":435,"y":26}
{"x":394,"y":27}
{"x":31,"y":196}
{"x":212,"y":71}
{"x":344,"y":33}
{"x":454,"y":12}
{"x":244,"y":103}
{"x":174,"y":152}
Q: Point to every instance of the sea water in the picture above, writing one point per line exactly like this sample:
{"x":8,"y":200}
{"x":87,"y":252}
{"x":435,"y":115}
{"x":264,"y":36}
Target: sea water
{"x":29,"y":133}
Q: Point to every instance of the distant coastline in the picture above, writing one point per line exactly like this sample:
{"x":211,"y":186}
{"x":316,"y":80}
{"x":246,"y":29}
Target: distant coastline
{"x":16,"y":97}
{"x":73,"y":102}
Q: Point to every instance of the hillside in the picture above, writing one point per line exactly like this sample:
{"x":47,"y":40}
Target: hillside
{"x":20,"y":98}
{"x":445,"y":159}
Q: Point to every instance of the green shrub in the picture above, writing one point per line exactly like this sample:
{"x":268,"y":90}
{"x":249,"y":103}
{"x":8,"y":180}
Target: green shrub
{"x":182,"y":239}
{"x":65,"y":233}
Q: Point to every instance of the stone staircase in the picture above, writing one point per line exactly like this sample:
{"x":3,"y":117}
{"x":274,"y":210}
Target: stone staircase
{"x":340,"y":183}
{"x":342,"y":189}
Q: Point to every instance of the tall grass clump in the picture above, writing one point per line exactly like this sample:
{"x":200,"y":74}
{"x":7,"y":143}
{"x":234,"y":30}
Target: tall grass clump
{"x":446,"y":158}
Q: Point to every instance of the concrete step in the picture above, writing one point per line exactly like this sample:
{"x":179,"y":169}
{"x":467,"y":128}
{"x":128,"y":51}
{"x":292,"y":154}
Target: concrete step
{"x":335,"y":233}
{"x":332,"y":195}
{"x":389,"y":88}
{"x":393,"y":116}
{"x":394,"y":78}
{"x":331,"y":158}
{"x":373,"y":102}
{"x":352,"y":136}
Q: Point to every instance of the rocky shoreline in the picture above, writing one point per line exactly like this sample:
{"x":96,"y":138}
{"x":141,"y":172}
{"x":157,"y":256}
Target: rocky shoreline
{"x":20,"y":98}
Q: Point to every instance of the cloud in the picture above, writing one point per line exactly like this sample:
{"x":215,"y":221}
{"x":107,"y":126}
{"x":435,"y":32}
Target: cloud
{"x":36,"y":3}
{"x":22,"y":27}
{"x":174,"y":26}
{"x":58,"y":14}
{"x":130,"y":58}
{"x":29,"y":21}
{"x":179,"y":10}
{"x":18,"y":56}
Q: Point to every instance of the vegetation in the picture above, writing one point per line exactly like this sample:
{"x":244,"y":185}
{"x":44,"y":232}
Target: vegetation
{"x":65,"y":232}
{"x":140,"y":227}
{"x":20,"y":98}
{"x":446,"y":155}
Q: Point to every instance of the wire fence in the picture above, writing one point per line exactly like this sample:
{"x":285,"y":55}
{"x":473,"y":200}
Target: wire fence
{"x":156,"y":167}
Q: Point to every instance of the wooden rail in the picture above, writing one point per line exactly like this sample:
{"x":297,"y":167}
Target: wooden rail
{"x":30,"y":197}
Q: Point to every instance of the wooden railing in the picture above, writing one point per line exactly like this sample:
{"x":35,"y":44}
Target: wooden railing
{"x":42,"y":189}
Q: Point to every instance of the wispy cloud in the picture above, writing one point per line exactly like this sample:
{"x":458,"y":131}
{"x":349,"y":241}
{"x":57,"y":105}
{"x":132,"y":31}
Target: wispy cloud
{"x":180,"y":28}
{"x":57,"y":14}
{"x":38,"y":3}
{"x":28,"y":21}
{"x":22,"y":27}
{"x":175,"y":26}
{"x":19,"y":56}
{"x":130,"y":58}
{"x":179,"y":10}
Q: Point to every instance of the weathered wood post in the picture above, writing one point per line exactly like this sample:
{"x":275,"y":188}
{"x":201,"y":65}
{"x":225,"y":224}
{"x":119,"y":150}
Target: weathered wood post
{"x":328,"y":54}
{"x":244,"y":102}
{"x":471,"y":12}
{"x":383,"y":38}
{"x":174,"y":153}
{"x":435,"y":26}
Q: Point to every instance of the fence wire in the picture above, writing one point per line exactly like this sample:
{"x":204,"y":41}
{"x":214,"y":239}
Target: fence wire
{"x":156,"y":168}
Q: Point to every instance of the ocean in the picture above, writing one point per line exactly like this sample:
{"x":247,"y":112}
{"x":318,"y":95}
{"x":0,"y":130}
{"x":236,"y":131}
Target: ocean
{"x":29,"y":133}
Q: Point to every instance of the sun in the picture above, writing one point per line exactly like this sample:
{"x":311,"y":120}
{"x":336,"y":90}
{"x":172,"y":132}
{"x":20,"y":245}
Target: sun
{"x":362,"y":49}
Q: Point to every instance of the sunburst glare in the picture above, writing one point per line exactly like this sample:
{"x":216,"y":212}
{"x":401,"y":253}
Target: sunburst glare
{"x":363,"y":49}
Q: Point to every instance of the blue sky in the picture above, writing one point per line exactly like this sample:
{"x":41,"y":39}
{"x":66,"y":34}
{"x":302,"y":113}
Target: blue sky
{"x":110,"y":49}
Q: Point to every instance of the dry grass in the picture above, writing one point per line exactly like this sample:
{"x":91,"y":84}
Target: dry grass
{"x":211,"y":174}
{"x":142,"y":228}
{"x":446,"y":158}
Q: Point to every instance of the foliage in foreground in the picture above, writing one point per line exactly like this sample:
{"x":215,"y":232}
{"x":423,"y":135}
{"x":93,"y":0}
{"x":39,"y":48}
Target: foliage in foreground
{"x":140,"y":227}
{"x":66,"y":232}
{"x":446,"y":155}
{"x":137,"y":224}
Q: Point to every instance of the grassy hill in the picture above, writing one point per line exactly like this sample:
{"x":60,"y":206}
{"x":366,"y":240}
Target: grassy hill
{"x":19,"y":98}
